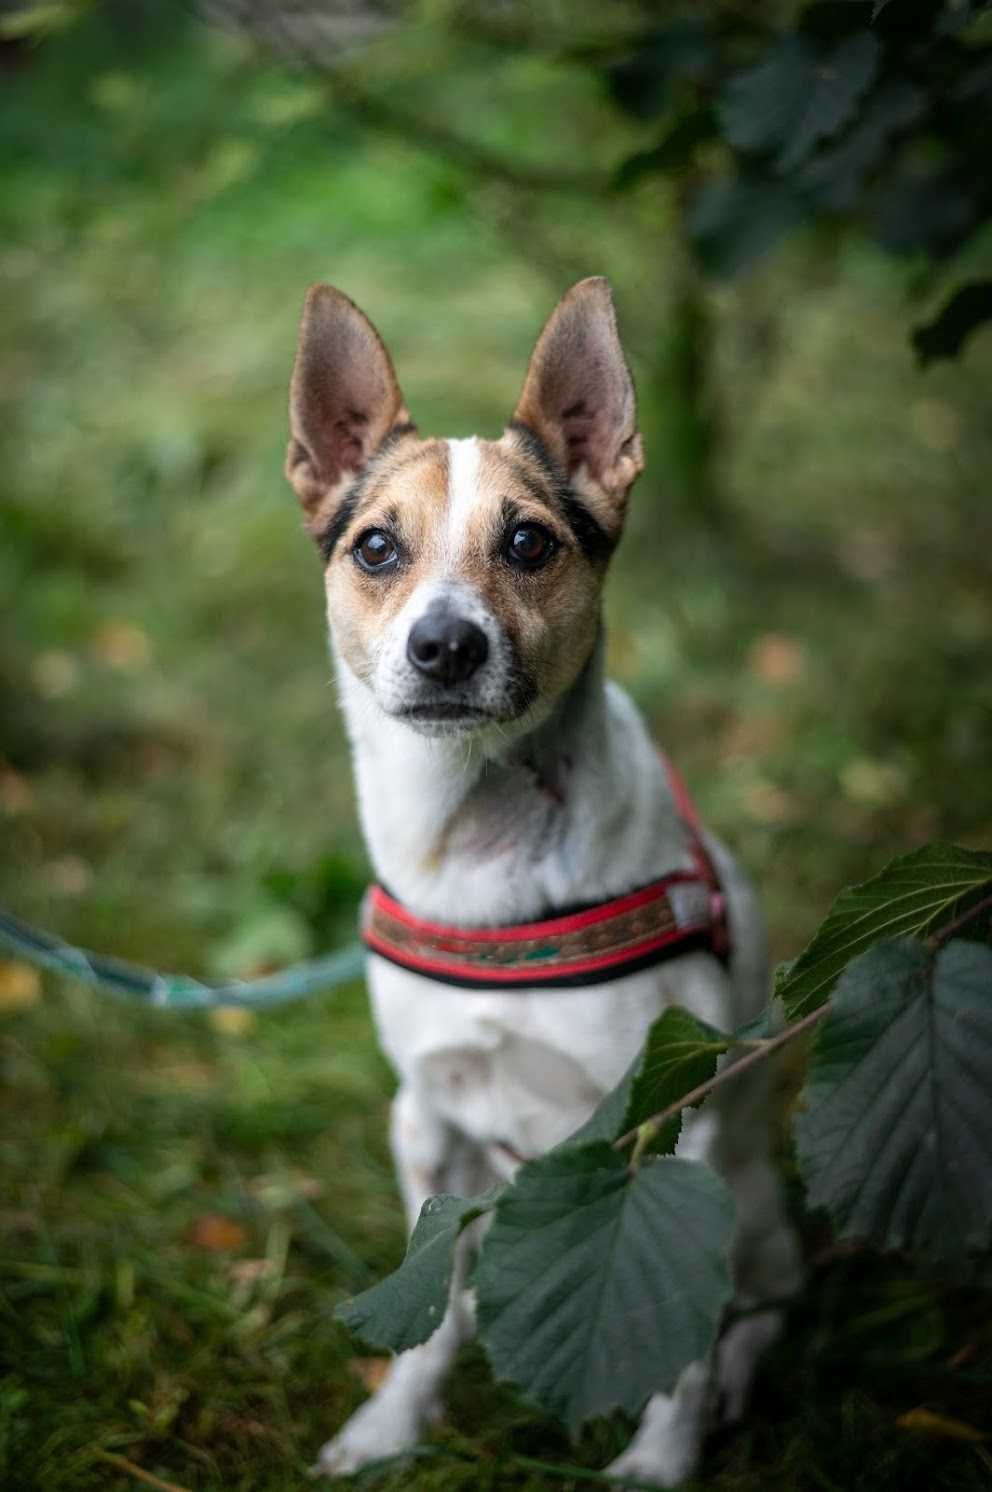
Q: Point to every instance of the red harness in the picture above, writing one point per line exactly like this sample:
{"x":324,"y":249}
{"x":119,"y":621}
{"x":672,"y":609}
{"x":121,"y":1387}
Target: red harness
{"x":684,"y":909}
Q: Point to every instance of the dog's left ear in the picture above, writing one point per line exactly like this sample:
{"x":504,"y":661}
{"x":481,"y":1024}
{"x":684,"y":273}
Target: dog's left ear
{"x":579,"y":398}
{"x":343,"y":402}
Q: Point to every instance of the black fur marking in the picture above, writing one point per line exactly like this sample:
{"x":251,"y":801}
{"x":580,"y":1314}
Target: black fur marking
{"x":588,"y":532}
{"x":345,"y":513}
{"x":349,"y":503}
{"x":538,"y":451}
{"x":591,"y":537}
{"x":397,"y":433}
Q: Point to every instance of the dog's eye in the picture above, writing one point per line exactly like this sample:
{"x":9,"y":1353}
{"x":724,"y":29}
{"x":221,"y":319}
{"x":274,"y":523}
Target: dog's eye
{"x":529,"y":546}
{"x":376,"y":551}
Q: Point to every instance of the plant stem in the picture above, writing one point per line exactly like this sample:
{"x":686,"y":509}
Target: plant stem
{"x":645,"y":1131}
{"x":138,"y":1472}
{"x":942,"y":934}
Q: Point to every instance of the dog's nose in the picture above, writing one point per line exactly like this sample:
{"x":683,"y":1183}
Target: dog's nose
{"x":446,"y":648}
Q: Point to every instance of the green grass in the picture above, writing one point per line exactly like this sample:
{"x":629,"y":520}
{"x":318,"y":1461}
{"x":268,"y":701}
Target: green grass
{"x":174,"y":784}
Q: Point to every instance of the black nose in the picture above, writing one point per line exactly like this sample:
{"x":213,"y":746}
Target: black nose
{"x":446,"y":648}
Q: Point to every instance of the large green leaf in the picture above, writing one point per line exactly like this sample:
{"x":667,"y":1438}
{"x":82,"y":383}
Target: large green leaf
{"x":896,"y":1137}
{"x":797,"y":96}
{"x":929,"y":209}
{"x":407,"y":1306}
{"x":598,"y":1285}
{"x":735,"y":220}
{"x":680,"y":1052}
{"x":835,"y":177}
{"x":644,"y":81}
{"x":910,"y":895}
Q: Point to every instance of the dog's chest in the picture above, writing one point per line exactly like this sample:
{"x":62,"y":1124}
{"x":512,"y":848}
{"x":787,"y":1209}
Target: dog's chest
{"x":522,"y":1069}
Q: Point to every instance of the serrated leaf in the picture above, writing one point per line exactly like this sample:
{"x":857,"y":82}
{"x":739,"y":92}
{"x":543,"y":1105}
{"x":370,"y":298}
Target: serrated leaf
{"x":931,"y":211}
{"x":835,"y":176}
{"x":643,"y":83}
{"x":735,"y":220}
{"x":407,"y":1306}
{"x":968,"y":308}
{"x":679,"y":1052}
{"x":896,"y":1139}
{"x":911,"y":895}
{"x":797,"y":96}
{"x":598,"y":1286}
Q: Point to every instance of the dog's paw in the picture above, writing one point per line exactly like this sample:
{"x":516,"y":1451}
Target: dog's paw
{"x":374,"y":1433}
{"x":655,"y":1466}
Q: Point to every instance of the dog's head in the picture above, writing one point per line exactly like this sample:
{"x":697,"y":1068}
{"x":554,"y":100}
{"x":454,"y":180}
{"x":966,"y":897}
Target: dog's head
{"x":463,"y":577}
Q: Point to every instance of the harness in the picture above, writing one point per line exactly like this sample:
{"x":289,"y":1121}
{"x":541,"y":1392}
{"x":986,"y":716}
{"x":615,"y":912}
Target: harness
{"x":682,"y":910}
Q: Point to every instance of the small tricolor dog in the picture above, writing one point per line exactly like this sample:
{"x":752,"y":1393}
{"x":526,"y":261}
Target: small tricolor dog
{"x":544,"y":888}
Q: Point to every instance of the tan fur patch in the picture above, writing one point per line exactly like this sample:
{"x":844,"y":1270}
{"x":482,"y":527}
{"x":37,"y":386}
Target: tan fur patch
{"x":406,"y":494}
{"x":551,"y":615}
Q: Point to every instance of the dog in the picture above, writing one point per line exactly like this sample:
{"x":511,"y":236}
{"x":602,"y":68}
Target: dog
{"x":502,"y":780}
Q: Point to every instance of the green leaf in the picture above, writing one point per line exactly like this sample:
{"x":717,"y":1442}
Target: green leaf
{"x":674,"y":150}
{"x":643,"y":83}
{"x":834,"y":177}
{"x":735,"y":220}
{"x":679,"y":1053}
{"x":797,"y":96}
{"x":929,"y":210}
{"x":911,"y":895}
{"x":896,"y":1140}
{"x":407,"y":1306}
{"x":597,"y":1286}
{"x":967,"y":309}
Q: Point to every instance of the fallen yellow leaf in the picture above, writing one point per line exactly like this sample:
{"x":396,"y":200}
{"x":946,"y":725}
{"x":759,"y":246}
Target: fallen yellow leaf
{"x":926,"y":1422}
{"x":776,"y":658}
{"x":232,"y":1020}
{"x":120,"y":644}
{"x":20,"y":986}
{"x":217,"y":1234}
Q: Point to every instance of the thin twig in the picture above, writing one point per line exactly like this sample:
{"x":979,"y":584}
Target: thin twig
{"x":725,"y":1075}
{"x":430,"y":134}
{"x":943,"y":933}
{"x":139,"y":1473}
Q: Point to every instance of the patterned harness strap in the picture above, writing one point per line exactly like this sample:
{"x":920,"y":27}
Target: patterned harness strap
{"x":682,"y":910}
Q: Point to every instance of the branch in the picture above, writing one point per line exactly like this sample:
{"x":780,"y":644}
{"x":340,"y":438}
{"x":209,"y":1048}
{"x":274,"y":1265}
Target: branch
{"x":645,"y":1132}
{"x":137,"y":1472}
{"x":412,"y":128}
{"x":950,"y":928}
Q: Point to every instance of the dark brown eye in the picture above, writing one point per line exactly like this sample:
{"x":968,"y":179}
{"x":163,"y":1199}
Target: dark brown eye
{"x":375,"y":551}
{"x":529,"y":546}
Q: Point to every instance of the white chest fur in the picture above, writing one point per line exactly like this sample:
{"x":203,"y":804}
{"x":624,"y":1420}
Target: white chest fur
{"x":580,"y":810}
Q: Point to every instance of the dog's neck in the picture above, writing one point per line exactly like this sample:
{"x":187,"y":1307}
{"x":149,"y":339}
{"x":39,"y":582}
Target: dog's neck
{"x":509,"y":826}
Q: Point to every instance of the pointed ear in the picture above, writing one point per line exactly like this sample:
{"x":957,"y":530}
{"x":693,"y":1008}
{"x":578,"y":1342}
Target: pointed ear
{"x":579,"y":398}
{"x":343,"y":401}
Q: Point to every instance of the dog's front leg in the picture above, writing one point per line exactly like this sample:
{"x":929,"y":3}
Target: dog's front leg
{"x":409,"y":1399}
{"x":666,"y":1447}
{"x":430,"y":1157}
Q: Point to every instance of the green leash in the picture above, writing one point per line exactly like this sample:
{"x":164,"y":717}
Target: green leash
{"x":178,"y":991}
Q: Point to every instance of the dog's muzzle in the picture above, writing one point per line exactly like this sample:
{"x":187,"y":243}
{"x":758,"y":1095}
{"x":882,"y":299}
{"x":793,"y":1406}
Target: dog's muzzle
{"x":446,"y":649}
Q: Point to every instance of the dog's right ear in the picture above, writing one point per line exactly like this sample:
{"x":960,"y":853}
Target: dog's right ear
{"x":343,"y":401}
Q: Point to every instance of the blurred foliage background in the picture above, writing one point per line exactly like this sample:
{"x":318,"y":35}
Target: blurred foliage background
{"x":802,"y":607}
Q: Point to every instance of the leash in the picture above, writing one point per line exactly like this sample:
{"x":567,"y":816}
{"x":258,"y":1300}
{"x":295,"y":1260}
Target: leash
{"x":682,"y":910}
{"x":177,"y":991}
